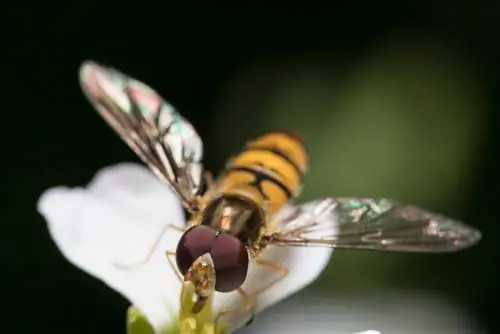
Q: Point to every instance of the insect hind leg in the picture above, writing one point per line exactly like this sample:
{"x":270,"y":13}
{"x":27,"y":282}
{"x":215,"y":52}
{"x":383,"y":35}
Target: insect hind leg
{"x":151,"y":250}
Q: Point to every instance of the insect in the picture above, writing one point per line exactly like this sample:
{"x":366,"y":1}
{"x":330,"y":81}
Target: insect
{"x":248,"y":207}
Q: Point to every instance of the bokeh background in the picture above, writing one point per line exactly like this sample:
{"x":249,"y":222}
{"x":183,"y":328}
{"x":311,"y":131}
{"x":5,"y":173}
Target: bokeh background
{"x":395,"y":99}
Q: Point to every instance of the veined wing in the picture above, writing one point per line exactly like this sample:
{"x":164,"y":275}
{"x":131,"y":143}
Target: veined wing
{"x":163,"y":139}
{"x":373,"y":224}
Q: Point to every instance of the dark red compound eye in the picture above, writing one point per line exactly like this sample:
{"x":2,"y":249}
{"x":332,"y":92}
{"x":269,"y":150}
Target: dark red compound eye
{"x":230,"y":259}
{"x":194,"y":242}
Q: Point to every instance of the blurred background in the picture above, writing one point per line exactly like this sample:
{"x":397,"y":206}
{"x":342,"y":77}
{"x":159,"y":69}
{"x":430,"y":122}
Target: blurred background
{"x":395,"y":99}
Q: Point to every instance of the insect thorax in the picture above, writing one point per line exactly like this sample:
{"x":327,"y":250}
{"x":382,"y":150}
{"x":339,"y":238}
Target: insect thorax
{"x":237,"y":215}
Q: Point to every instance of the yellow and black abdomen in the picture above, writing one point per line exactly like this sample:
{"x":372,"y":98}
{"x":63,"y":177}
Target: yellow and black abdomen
{"x":273,"y":165}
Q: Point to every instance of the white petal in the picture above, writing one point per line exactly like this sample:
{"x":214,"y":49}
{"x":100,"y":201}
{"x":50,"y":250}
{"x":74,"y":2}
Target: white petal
{"x":117,"y":219}
{"x":135,"y":188}
{"x":305,"y":264}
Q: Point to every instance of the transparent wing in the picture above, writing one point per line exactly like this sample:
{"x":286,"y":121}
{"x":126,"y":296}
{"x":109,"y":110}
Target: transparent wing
{"x":163,"y":139}
{"x":373,"y":224}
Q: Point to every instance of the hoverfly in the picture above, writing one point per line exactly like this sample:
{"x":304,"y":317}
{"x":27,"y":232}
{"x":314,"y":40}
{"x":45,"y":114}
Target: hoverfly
{"x":249,"y":206}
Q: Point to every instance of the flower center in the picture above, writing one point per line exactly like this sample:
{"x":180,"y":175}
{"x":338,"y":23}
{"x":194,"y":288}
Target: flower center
{"x":201,"y":322}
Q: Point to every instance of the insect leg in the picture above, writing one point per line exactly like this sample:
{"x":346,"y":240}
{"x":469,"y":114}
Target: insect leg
{"x":169,"y":254}
{"x":282,"y":271}
{"x":247,"y":306}
{"x":151,"y":249}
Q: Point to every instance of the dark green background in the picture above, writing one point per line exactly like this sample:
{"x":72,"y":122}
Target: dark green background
{"x":204,"y":61}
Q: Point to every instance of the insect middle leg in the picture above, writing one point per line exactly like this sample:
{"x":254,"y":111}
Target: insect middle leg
{"x":152,"y":249}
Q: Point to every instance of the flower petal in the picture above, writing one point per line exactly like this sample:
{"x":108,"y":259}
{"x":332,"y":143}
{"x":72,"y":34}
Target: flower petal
{"x":116,"y":220}
{"x":303,"y":263}
{"x":135,"y":188}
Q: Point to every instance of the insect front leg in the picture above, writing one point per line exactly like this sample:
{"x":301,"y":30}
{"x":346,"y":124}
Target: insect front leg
{"x":280,"y":270}
{"x":248,"y":306}
{"x":151,"y":250}
{"x":169,"y":255}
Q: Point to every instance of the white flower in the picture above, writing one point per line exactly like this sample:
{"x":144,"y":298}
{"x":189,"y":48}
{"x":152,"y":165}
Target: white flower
{"x":116,"y":219}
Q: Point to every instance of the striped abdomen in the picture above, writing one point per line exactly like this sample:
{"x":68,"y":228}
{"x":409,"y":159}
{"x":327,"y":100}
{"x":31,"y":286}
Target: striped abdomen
{"x":272,"y":165}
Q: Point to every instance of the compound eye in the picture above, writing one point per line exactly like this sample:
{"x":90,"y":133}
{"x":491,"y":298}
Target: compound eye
{"x":194,"y":242}
{"x":230,"y":259}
